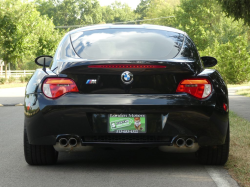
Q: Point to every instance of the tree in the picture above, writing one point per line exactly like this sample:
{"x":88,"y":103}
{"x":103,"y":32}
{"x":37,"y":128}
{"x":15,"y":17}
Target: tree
{"x":71,"y":12}
{"x":48,"y":37}
{"x":239,"y":9}
{"x":150,"y":9}
{"x":8,"y":38}
{"x":227,"y":30}
{"x":233,"y":59}
{"x":158,"y":9}
{"x":142,"y":8}
{"x":24,"y":33}
{"x":199,"y":19}
{"x":117,"y":12}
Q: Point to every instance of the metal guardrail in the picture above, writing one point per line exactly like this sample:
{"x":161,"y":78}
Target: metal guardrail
{"x":16,"y":73}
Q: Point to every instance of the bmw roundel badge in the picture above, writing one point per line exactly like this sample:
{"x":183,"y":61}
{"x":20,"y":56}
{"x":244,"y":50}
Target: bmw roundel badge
{"x":127,"y":77}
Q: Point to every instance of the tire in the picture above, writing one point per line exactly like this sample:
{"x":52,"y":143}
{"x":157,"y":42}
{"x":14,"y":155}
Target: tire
{"x":39,"y":154}
{"x":217,"y":155}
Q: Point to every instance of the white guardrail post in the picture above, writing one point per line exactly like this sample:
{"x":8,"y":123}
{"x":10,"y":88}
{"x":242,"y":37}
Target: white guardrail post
{"x":17,"y":73}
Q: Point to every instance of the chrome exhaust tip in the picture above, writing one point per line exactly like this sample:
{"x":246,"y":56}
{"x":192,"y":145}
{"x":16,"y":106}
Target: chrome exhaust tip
{"x":180,"y":142}
{"x":63,"y":142}
{"x":189,"y":142}
{"x":72,"y":142}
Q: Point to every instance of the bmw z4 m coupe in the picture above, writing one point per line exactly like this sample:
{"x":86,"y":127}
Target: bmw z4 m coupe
{"x":123,"y":86}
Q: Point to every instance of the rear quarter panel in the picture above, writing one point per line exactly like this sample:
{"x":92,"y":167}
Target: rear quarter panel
{"x":219,"y":116}
{"x":34,"y":84}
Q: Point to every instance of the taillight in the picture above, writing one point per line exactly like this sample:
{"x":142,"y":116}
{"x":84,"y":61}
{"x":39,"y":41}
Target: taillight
{"x":56,"y":87}
{"x":199,"y":88}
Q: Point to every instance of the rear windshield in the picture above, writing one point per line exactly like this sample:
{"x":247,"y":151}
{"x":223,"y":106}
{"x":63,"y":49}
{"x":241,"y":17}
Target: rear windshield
{"x":127,"y":44}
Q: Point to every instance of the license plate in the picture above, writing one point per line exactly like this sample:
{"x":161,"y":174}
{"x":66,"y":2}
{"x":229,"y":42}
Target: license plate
{"x":127,"y":123}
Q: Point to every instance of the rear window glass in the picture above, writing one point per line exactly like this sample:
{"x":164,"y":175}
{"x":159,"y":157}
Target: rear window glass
{"x":127,"y":44}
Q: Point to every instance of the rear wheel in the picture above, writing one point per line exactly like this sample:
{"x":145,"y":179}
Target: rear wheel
{"x":216,"y":155}
{"x":39,"y":154}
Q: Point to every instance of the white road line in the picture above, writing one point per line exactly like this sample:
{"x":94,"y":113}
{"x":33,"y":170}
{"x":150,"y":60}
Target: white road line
{"x":219,"y":177}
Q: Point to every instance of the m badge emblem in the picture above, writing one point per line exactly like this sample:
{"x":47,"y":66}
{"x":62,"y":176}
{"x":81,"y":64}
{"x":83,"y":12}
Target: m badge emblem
{"x":91,"y":81}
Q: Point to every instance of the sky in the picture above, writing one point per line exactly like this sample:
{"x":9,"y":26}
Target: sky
{"x":132,"y":3}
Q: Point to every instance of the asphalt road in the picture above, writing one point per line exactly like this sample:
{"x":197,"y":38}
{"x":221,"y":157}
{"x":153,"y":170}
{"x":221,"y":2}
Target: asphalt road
{"x":12,"y":95}
{"x":123,"y":168}
{"x":239,"y":104}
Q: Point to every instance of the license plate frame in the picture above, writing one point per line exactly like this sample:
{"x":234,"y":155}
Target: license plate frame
{"x":127,"y":123}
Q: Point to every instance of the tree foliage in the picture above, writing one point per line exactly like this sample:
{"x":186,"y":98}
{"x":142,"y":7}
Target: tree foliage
{"x":199,"y":19}
{"x":84,"y":12}
{"x":117,"y":12}
{"x":142,"y":8}
{"x":24,"y":33}
{"x":71,"y":12}
{"x":233,"y":59}
{"x":158,"y":9}
{"x":239,"y":9}
{"x":204,"y":22}
{"x":147,"y":8}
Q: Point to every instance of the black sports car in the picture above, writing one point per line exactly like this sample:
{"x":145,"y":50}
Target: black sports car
{"x":126,"y":85}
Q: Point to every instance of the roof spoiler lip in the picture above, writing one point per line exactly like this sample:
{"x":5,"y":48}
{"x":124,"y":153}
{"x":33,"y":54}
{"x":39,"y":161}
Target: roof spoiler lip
{"x":104,"y":61}
{"x":121,"y":26}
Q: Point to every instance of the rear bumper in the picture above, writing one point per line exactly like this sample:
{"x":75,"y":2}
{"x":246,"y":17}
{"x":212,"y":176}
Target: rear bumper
{"x":85,"y":115}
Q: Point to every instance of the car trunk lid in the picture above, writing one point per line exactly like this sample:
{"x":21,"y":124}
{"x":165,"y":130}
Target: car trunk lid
{"x":149,"y":77}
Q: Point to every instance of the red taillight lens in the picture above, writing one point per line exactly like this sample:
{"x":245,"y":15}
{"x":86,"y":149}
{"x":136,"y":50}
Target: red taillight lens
{"x":225,"y":106}
{"x":126,"y":66}
{"x":199,"y":88}
{"x":56,"y":87}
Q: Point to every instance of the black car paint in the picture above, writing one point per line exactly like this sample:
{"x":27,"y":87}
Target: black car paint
{"x":72,"y":114}
{"x":85,"y":114}
{"x":147,"y":81}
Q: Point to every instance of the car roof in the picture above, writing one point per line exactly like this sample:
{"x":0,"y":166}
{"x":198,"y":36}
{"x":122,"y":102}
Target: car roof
{"x":114,"y":26}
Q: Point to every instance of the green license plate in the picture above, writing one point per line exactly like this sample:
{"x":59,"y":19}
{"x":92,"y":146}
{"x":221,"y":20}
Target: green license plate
{"x":127,"y":123}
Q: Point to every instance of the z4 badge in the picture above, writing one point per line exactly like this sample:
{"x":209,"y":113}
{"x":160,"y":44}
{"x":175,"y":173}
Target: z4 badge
{"x":91,"y":81}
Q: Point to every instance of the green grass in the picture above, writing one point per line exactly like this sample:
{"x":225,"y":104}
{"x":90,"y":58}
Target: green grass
{"x":12,"y":85}
{"x":239,"y":156}
{"x":245,"y":92}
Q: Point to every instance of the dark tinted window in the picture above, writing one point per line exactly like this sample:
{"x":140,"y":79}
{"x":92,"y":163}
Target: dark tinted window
{"x":128,"y":44}
{"x":189,"y":50}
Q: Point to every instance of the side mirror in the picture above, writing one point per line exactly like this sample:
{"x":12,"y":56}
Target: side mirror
{"x":44,"y":60}
{"x":209,"y":61}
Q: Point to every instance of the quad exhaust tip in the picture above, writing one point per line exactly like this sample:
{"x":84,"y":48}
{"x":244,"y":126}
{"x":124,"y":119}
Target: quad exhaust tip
{"x":63,"y":142}
{"x":189,"y":142}
{"x":72,"y":142}
{"x":180,"y":142}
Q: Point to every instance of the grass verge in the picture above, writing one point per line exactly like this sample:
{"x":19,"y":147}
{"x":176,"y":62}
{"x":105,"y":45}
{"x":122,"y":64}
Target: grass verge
{"x":12,"y":85}
{"x":245,"y":92}
{"x":239,"y":156}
